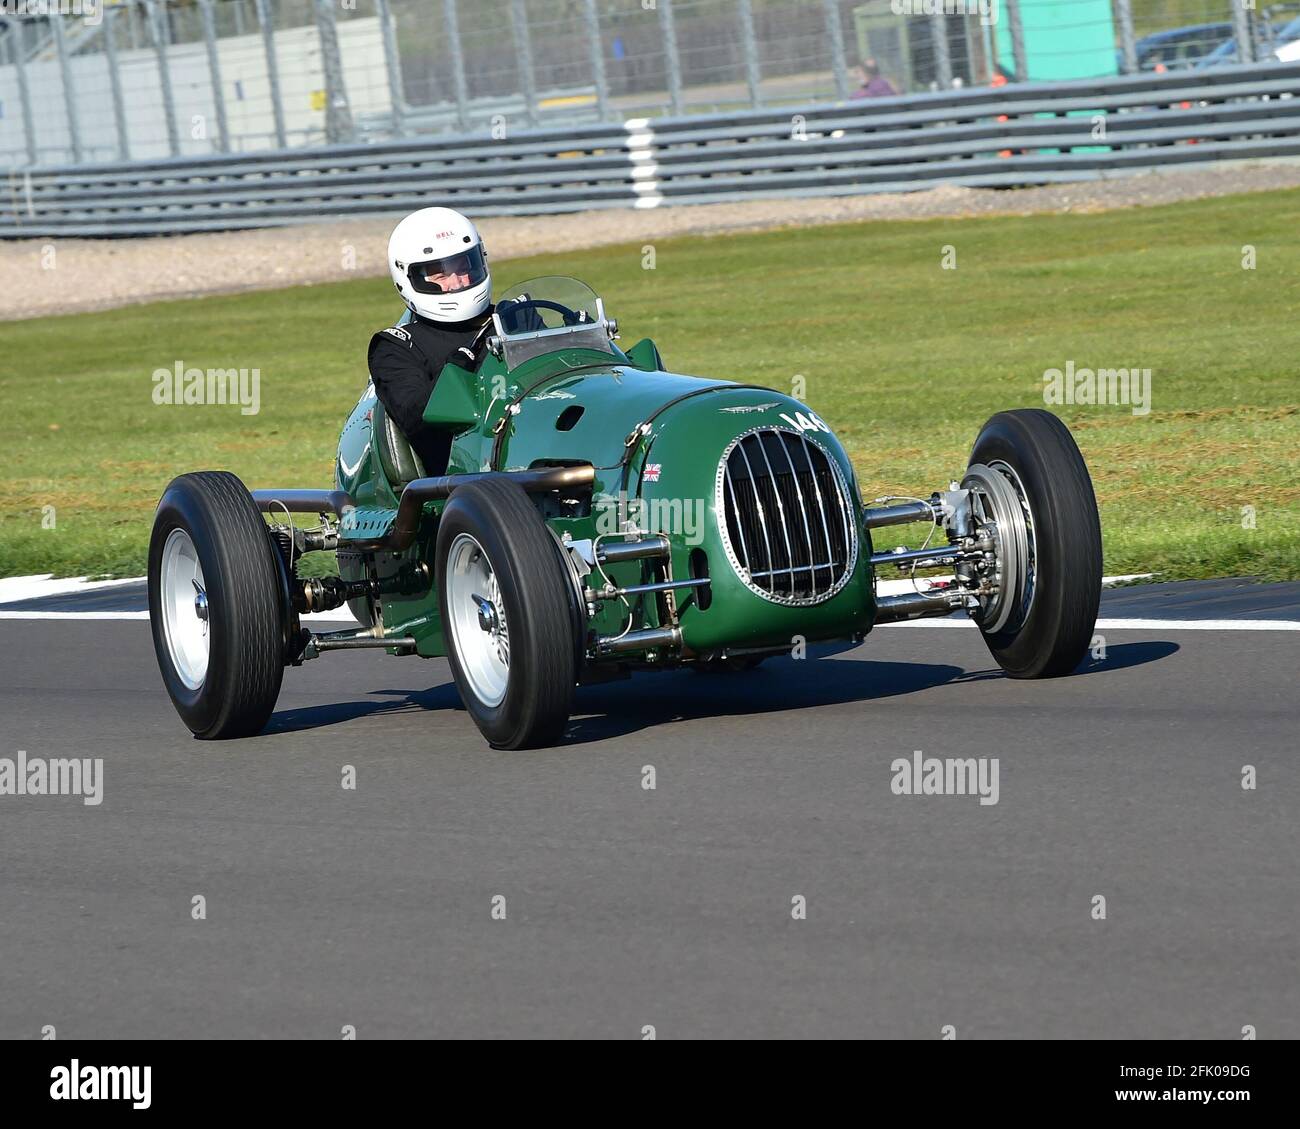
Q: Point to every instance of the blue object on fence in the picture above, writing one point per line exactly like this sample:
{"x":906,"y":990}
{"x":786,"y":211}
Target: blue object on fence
{"x":620,"y":52}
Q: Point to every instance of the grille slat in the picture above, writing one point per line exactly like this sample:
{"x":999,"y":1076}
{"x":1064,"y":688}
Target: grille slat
{"x":803,"y":513}
{"x":785,"y":473}
{"x":821,"y":506}
{"x":731,"y":491}
{"x":775,"y":485}
{"x":758,"y":518}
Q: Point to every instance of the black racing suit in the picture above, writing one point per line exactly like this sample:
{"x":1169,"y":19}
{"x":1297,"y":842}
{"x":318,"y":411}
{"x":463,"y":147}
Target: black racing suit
{"x":404,"y":364}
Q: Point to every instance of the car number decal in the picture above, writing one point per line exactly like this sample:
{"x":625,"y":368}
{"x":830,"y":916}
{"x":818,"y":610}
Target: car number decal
{"x":809,"y":422}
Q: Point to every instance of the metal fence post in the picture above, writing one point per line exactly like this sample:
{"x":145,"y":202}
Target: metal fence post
{"x":1241,"y":31}
{"x":1019,"y":60}
{"x":524,"y":55}
{"x":836,"y":34}
{"x":457,"y":62}
{"x":214,"y":74}
{"x":942,"y":56}
{"x":266,"y":19}
{"x":598,"y":59}
{"x":338,"y":111}
{"x":115,"y":84}
{"x":69,"y":88}
{"x":158,"y":31}
{"x":17,"y":49}
{"x":672,"y":61}
{"x":749,"y":45}
{"x":393,"y":61}
{"x":1127,"y":39}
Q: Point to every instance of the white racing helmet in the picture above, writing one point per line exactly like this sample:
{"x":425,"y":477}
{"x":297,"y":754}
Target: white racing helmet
{"x":439,"y":265}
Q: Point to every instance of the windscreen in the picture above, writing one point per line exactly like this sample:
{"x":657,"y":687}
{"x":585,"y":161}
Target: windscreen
{"x":552,"y":302}
{"x":543,"y":315}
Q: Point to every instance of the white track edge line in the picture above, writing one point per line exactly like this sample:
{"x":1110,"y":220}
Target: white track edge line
{"x":1102,"y":624}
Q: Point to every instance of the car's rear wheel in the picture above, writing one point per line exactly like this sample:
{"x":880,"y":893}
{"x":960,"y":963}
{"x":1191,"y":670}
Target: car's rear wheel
{"x":216,"y":606}
{"x":1031,"y":489}
{"x":507,"y":615}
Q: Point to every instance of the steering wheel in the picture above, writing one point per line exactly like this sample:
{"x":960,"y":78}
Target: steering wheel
{"x":571,"y":317}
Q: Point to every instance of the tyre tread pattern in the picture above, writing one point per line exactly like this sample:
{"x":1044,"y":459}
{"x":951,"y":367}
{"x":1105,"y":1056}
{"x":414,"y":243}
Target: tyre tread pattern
{"x":1057,"y":634}
{"x":542,"y":645}
{"x":247,"y":667}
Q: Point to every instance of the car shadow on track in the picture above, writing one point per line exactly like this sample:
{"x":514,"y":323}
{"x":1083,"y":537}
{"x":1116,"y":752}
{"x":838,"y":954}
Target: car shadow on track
{"x":620,"y":708}
{"x":1125,"y":655}
{"x":442,"y":697}
{"x":646,"y":700}
{"x":1120,"y":657}
{"x":617,"y":709}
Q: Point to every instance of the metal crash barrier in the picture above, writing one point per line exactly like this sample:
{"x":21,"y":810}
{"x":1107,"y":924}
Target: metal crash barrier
{"x":1018,"y":134}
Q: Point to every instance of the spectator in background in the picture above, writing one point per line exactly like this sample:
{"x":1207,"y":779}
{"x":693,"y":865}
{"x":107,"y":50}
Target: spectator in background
{"x":874,"y":84}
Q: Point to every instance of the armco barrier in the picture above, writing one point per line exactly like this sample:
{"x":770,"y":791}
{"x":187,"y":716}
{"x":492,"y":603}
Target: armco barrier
{"x":1033,"y":133}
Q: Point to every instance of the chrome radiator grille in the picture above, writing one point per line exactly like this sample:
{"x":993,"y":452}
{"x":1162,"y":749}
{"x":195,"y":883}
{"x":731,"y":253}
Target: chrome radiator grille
{"x":786,"y":516}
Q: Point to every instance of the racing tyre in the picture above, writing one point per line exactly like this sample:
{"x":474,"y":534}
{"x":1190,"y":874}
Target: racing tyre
{"x":1028,"y":477}
{"x":507,"y":614}
{"x":216,"y":606}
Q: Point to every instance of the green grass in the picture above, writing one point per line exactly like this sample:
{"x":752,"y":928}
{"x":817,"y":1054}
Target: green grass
{"x":903,"y":359}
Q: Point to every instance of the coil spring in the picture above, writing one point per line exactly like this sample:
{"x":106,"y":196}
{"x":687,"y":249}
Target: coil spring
{"x":284,"y":543}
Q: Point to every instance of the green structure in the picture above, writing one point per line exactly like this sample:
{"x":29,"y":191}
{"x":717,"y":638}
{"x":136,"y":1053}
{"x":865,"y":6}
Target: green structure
{"x":1062,"y":41}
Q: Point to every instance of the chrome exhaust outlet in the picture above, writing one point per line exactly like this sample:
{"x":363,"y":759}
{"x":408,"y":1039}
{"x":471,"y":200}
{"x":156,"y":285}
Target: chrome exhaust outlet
{"x":917,"y":605}
{"x":611,"y":552}
{"x":647,"y":639}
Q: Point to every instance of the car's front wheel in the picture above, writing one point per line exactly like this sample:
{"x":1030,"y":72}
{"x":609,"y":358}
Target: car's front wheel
{"x":1032,"y":493}
{"x":506,"y":614}
{"x":216,"y":606}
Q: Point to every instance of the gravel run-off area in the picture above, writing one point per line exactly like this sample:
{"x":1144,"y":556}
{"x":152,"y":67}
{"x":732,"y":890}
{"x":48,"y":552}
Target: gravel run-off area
{"x":115,"y":272}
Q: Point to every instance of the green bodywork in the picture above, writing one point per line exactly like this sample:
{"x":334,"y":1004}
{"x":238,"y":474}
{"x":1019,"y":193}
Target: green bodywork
{"x":617,"y":392}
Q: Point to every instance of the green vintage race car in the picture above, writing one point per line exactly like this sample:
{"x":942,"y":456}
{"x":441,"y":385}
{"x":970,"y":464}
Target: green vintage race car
{"x":601,"y":515}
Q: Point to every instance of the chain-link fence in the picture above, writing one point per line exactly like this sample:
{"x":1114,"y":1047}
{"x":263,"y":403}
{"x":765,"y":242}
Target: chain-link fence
{"x":86,"y":81}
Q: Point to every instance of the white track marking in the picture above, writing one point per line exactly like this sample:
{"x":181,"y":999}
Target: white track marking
{"x":37,"y":587}
{"x":316,"y":618}
{"x":901,"y":587}
{"x":16,"y":588}
{"x":1102,"y":624}
{"x":1138,"y":624}
{"x":13,"y":588}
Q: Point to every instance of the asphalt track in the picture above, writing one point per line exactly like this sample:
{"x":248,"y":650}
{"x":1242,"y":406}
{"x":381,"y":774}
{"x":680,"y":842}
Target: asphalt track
{"x":670,"y":908}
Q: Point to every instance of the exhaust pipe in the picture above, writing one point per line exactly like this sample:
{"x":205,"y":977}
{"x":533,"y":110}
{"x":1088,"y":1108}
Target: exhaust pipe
{"x":645,"y":640}
{"x":402,"y":532}
{"x":611,"y":552}
{"x":917,"y":605}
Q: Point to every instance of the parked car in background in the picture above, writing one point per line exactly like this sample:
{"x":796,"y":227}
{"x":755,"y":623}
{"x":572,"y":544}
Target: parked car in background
{"x":1180,"y":47}
{"x":1279,"y":42}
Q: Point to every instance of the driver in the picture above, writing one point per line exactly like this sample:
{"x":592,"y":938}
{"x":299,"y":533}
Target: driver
{"x":439,"y":266}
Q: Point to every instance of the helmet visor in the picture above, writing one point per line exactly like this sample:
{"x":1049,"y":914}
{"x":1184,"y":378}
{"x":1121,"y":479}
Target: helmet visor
{"x":462,"y":271}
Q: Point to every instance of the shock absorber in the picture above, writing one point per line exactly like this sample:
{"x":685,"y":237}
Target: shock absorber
{"x":325,"y":593}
